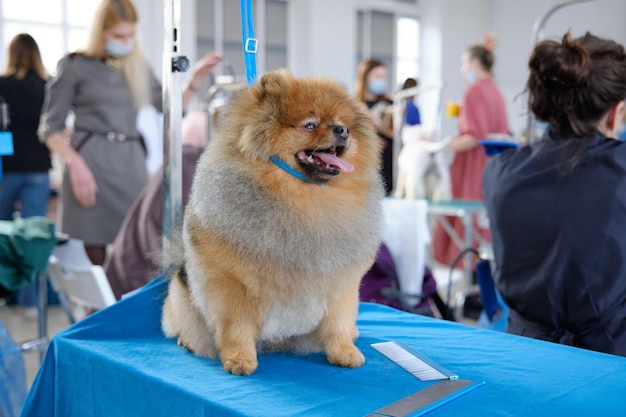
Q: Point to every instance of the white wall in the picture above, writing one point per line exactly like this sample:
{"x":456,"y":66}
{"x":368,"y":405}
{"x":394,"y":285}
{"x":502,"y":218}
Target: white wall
{"x":322,"y":36}
{"x":513,"y":22}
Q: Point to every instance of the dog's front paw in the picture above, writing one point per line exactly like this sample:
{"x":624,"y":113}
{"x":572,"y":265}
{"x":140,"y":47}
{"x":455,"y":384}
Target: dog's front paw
{"x":349,"y":357}
{"x":182,"y":344}
{"x":240,"y":366}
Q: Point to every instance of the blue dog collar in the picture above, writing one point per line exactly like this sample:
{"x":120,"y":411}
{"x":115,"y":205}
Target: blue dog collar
{"x":285,"y":167}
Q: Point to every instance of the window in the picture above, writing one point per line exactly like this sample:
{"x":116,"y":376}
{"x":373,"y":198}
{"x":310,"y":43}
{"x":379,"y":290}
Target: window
{"x":58,"y":26}
{"x":407,"y":42}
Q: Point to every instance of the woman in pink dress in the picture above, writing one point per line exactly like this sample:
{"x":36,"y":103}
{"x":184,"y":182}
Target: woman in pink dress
{"x":482,"y":112}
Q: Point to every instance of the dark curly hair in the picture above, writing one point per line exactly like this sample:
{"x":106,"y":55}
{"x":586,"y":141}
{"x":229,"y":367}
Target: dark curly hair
{"x":575,"y":82}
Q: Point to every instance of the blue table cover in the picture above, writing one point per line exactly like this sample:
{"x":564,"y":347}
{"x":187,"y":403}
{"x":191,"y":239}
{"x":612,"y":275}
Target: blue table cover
{"x":118,"y":363}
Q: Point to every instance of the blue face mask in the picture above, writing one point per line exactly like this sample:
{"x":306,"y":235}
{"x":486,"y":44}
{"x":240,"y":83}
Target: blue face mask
{"x":471,"y":77}
{"x":377,"y":86}
{"x":119,"y":49}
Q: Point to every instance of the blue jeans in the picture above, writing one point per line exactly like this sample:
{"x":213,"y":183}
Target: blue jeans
{"x":32,"y":191}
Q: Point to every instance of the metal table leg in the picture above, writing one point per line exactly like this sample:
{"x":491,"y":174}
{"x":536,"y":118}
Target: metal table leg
{"x":468,"y":224}
{"x":41,"y":343}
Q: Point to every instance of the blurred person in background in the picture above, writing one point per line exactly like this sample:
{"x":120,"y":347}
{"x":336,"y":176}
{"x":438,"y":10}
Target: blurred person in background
{"x":371,"y":90}
{"x":105,"y":85}
{"x":135,"y":257}
{"x":411,"y":111}
{"x":25,"y":183}
{"x":483,"y":112}
{"x":557,"y":207}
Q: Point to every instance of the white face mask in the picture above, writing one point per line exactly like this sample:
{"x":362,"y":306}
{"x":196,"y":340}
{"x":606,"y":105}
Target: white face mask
{"x":119,"y":49}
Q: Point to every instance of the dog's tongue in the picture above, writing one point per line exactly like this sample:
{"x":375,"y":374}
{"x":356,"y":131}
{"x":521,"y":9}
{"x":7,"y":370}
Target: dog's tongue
{"x":333,"y":160}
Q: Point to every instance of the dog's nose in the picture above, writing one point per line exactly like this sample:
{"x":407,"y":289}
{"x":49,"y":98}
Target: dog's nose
{"x":341,"y":132}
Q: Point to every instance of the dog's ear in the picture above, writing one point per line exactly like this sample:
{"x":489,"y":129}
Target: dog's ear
{"x":266,"y":102}
{"x":274,"y":85}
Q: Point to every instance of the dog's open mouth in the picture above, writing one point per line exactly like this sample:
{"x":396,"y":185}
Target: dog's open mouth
{"x":324,"y":161}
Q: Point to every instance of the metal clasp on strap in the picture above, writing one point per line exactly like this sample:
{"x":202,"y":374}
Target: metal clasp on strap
{"x":116,"y":137}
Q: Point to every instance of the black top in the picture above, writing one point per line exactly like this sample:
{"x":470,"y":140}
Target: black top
{"x":387,"y":154}
{"x":559,"y":238}
{"x":25,"y":99}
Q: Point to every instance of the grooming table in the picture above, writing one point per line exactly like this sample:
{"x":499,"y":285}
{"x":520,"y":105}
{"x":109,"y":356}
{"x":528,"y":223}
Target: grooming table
{"x":118,"y":363}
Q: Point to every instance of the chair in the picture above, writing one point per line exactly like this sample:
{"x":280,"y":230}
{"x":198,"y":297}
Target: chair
{"x":25,"y":246}
{"x":77,"y":280}
{"x":495,"y":311}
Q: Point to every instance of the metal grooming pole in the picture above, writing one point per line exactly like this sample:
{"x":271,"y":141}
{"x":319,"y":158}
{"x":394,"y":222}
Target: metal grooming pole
{"x":173,"y":65}
{"x":537,"y":35}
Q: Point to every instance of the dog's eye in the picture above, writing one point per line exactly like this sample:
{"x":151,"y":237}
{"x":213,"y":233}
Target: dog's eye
{"x":310,"y":126}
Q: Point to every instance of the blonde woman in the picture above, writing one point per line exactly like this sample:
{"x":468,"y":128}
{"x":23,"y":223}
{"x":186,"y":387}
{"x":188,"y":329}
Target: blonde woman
{"x":104,"y":85}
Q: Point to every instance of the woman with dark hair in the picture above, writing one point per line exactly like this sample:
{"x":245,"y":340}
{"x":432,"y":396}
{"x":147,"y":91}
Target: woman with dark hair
{"x":25,"y":183}
{"x":557,"y":208}
{"x":25,"y":173}
{"x":482,"y":112}
{"x":371,"y":89}
{"x":411,"y":112}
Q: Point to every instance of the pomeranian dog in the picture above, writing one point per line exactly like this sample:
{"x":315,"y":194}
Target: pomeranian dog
{"x":283,"y":220}
{"x":424,"y":165}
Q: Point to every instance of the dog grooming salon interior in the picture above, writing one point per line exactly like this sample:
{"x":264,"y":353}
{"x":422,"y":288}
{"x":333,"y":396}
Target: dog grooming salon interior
{"x":492,"y":231}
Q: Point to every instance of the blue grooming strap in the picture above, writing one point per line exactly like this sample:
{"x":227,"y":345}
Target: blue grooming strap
{"x":249,"y":42}
{"x":285,"y":167}
{"x":249,"y":45}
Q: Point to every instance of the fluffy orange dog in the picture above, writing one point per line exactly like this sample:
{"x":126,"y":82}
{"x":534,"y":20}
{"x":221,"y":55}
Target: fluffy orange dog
{"x":282,"y":222}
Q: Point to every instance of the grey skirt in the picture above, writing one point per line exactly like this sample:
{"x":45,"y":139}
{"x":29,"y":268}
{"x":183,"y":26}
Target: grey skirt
{"x":120,"y":172}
